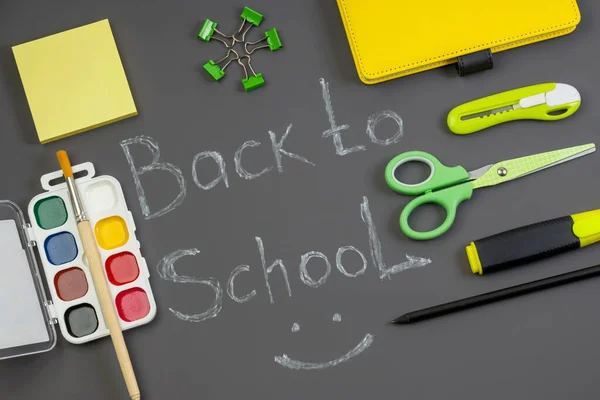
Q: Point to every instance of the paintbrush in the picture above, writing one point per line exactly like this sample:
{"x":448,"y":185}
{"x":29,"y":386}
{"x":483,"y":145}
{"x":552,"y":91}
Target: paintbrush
{"x":95,"y":264}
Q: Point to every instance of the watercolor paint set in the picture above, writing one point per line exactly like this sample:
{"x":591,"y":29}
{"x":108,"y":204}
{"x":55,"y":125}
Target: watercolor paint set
{"x":27,"y":316}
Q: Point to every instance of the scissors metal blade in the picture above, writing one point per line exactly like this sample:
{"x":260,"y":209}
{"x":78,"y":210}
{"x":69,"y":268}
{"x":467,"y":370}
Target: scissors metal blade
{"x":508,"y":170}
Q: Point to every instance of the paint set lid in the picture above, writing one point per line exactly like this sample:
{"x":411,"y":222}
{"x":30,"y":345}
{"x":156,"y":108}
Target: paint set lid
{"x":26,"y":321}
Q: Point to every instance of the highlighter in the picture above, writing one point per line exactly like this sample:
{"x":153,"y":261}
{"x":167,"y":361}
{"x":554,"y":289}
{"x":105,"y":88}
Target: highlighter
{"x":533,"y":242}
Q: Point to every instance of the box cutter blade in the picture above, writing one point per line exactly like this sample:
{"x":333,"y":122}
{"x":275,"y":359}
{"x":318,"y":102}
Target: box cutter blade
{"x":548,"y":101}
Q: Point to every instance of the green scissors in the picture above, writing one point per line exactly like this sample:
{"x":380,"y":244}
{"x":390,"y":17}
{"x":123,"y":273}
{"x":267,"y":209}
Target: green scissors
{"x":450,"y":186}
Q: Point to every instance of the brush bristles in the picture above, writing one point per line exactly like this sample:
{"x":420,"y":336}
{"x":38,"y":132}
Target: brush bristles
{"x":65,"y":164}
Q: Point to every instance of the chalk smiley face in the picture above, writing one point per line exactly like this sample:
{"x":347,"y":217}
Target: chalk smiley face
{"x":287,"y":362}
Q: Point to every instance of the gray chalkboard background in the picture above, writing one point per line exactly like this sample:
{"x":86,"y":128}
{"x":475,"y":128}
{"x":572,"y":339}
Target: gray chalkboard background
{"x":544,"y":346}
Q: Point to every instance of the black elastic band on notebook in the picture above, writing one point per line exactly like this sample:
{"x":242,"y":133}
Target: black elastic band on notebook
{"x":475,"y":62}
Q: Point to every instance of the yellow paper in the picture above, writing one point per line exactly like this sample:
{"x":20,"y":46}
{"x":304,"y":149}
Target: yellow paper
{"x":74,"y":81}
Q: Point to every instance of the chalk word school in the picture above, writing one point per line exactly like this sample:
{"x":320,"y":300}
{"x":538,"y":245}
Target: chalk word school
{"x":166,"y":267}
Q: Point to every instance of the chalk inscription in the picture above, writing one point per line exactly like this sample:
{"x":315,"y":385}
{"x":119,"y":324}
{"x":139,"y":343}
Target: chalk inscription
{"x":287,"y":362}
{"x":277,"y":146}
{"x":166,"y":270}
{"x":314,"y":267}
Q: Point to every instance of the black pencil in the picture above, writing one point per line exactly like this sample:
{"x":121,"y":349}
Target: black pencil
{"x":498,"y":295}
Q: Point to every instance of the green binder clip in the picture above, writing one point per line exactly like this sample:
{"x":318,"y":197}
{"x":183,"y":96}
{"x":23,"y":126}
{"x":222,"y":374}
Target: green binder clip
{"x":251,"y":82}
{"x":209,"y":28}
{"x":215,"y":70}
{"x":252,"y":16}
{"x":272,"y":39}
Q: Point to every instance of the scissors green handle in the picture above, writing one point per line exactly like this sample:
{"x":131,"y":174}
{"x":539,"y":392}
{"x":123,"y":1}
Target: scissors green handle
{"x":450,"y":186}
{"x":448,"y":198}
{"x":445,"y":186}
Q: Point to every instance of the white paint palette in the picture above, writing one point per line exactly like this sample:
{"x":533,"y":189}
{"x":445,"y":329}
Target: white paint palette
{"x":74,"y":305}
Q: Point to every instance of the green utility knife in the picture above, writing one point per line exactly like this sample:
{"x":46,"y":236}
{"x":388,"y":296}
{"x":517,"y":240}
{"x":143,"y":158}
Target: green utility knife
{"x":547,"y":101}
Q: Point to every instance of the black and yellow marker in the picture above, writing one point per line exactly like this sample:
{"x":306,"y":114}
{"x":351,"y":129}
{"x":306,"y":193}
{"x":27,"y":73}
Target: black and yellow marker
{"x":534,"y":242}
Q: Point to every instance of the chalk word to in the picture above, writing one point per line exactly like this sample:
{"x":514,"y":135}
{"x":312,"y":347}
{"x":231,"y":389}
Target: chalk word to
{"x":166,"y":270}
{"x":335,"y":131}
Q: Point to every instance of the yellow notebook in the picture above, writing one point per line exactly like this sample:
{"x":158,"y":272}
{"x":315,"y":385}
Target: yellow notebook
{"x":74,"y":81}
{"x":393,"y":38}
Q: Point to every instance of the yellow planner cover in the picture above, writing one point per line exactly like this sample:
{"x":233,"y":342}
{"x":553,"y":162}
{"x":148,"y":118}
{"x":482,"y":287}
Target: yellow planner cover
{"x":394,"y":38}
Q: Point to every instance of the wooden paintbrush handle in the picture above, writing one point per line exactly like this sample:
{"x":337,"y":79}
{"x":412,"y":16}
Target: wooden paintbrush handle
{"x":108,"y":310}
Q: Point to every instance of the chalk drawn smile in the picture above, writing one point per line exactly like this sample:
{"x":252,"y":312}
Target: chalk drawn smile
{"x":287,"y":362}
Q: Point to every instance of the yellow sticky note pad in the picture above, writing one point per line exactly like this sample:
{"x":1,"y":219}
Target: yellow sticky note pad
{"x":74,"y":81}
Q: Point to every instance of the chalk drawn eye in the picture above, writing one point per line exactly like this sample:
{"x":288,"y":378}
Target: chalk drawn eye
{"x":336,"y":318}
